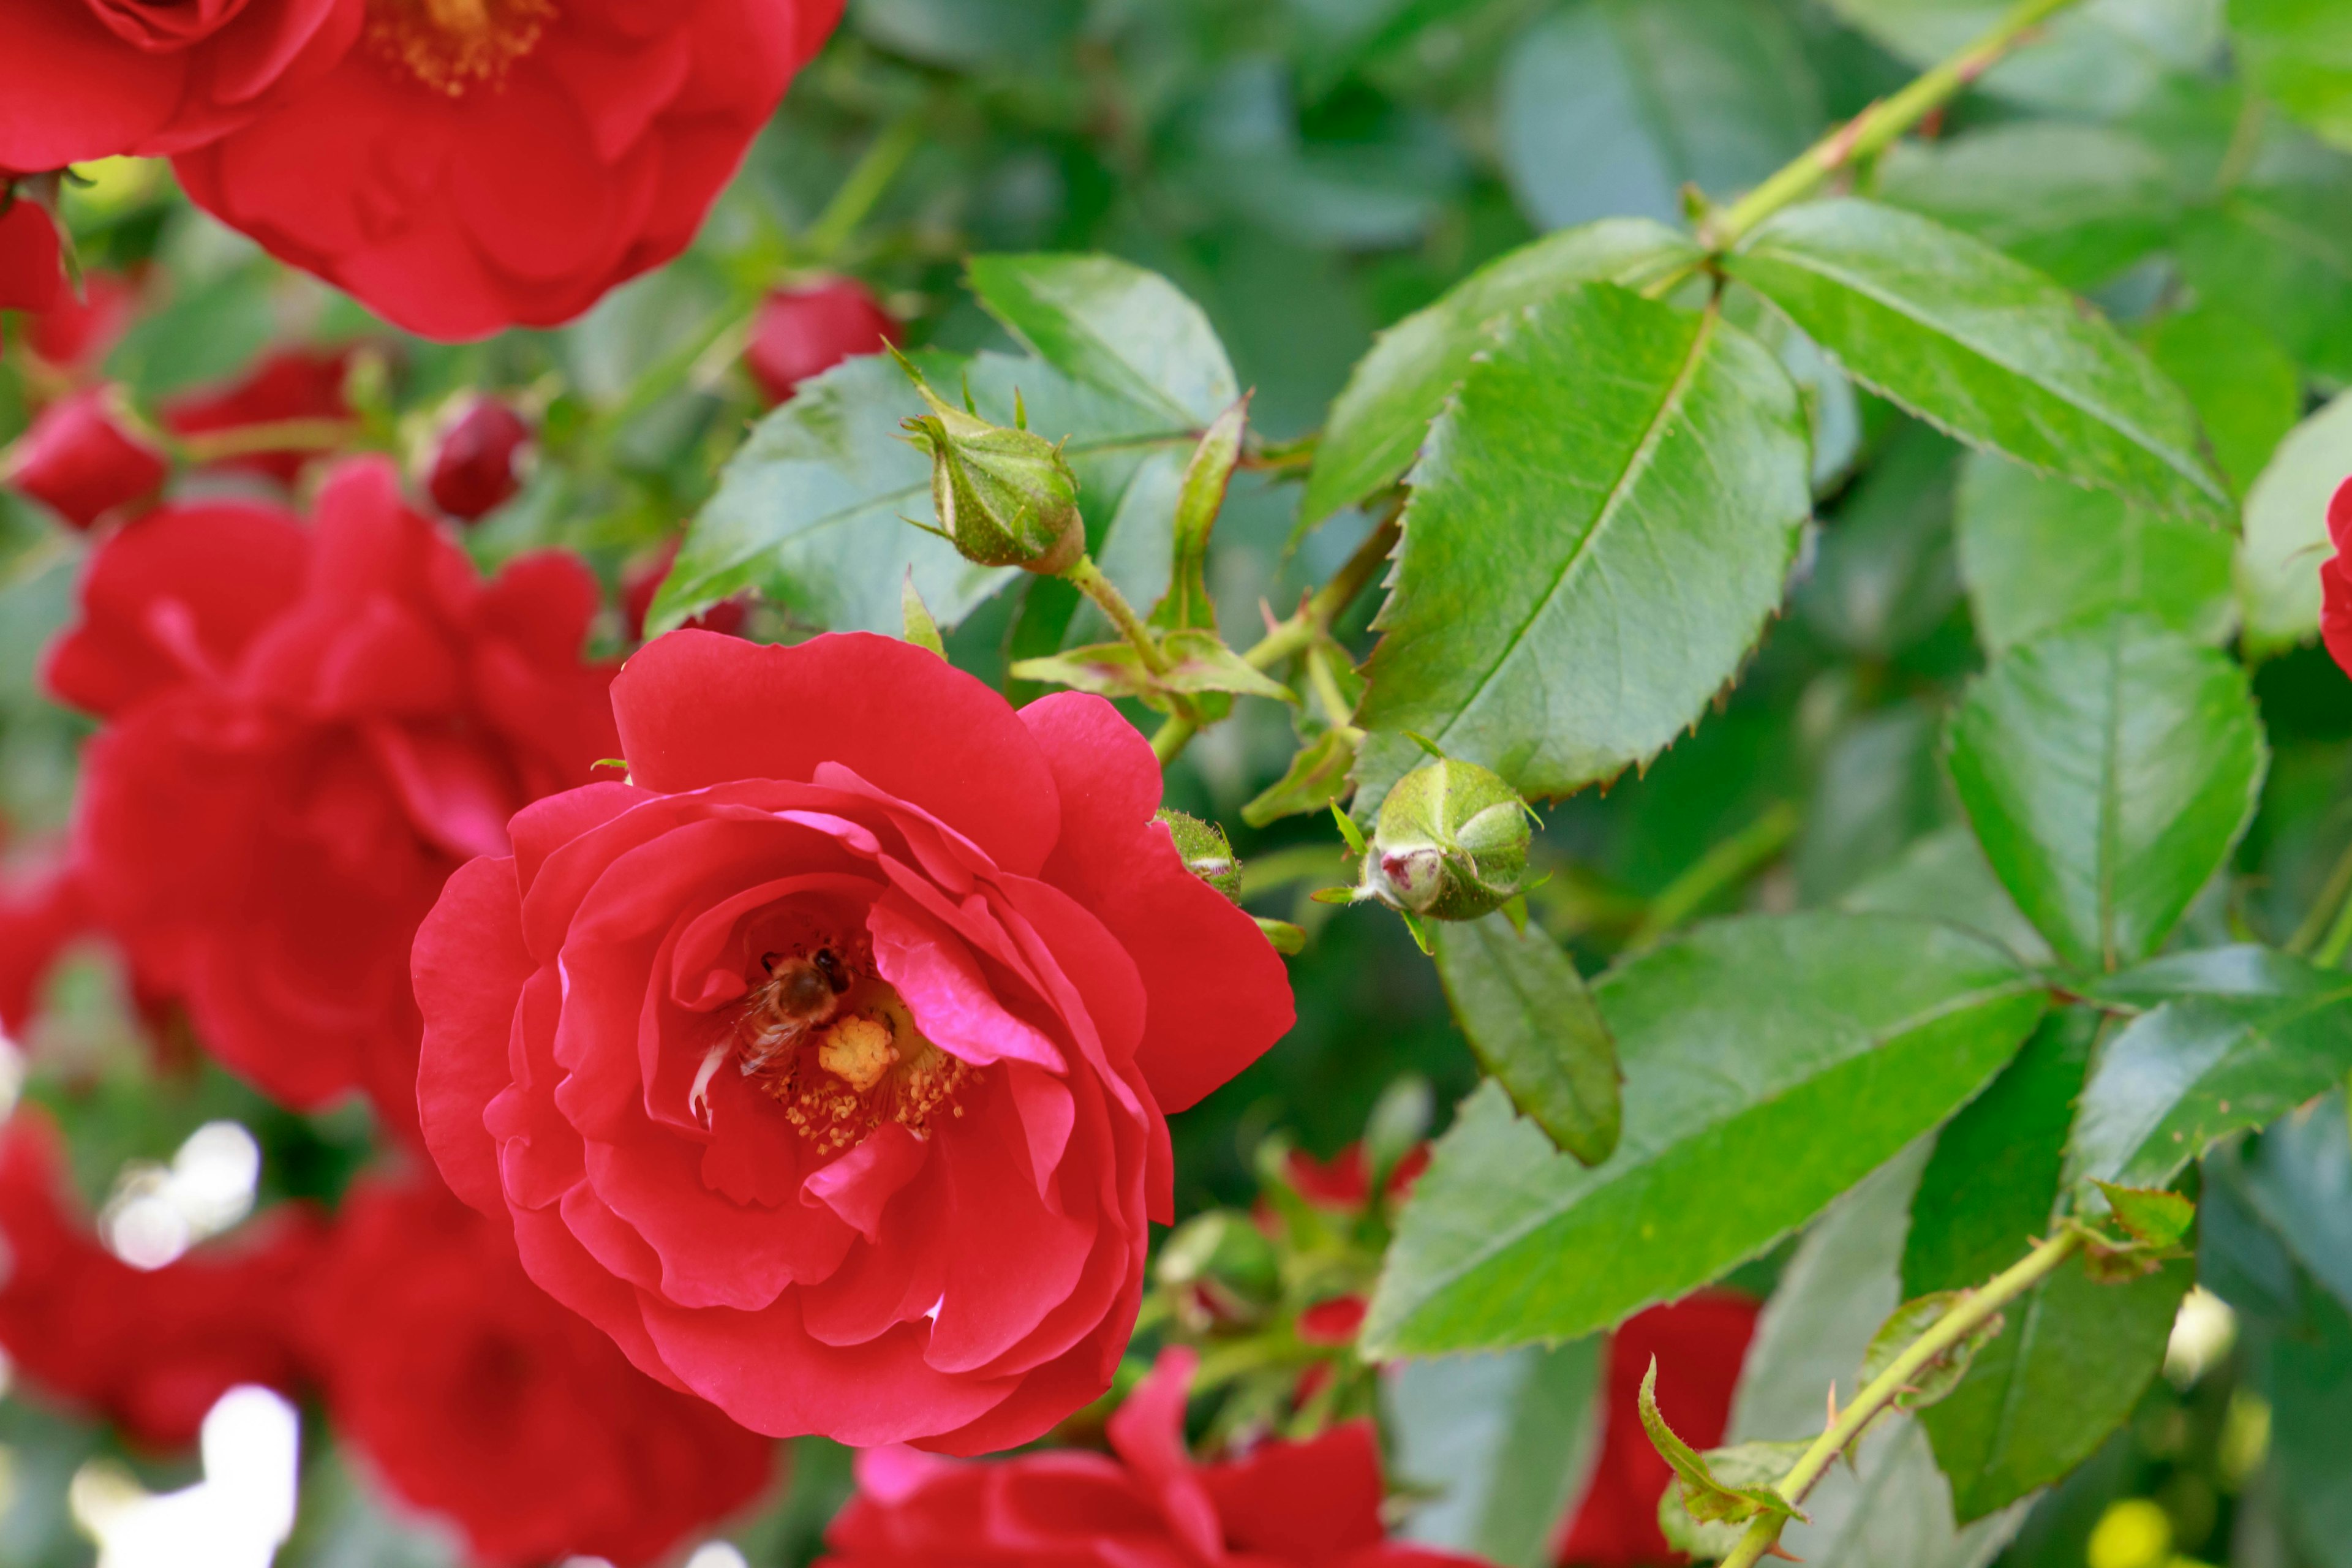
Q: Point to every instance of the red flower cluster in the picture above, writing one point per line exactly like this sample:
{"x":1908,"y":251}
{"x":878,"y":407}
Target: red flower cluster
{"x":306,"y":731}
{"x":149,"y":1350}
{"x":1284,"y":1505}
{"x":823,"y":1063}
{"x":473,"y":1395}
{"x":2336,"y":580}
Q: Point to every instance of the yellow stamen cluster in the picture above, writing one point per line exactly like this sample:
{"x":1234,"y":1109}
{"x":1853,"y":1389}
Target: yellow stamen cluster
{"x":453,"y":45}
{"x":862,"y":1070}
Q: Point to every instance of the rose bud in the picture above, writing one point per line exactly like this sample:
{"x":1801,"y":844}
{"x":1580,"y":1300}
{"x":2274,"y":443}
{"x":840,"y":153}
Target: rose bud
{"x":803,"y":333}
{"x":1207,"y":853}
{"x":30,"y":271}
{"x":1450,"y":843}
{"x":476,"y":462}
{"x":80,"y":462}
{"x":2335,"y":580}
{"x":1006,"y":498}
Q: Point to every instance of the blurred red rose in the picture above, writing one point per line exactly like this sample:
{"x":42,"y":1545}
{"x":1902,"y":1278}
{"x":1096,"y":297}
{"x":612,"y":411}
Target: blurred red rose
{"x":291,"y":383}
{"x":469,"y":168}
{"x":90,"y":78}
{"x":477,"y":463}
{"x":80,"y":461}
{"x":42,"y":911}
{"x":823,"y":1065}
{"x":150,"y":1350}
{"x":805,"y":331}
{"x":77,"y":331}
{"x":306,"y":731}
{"x":31,"y":274}
{"x":473,"y":1395}
{"x":1284,"y":1505}
{"x":641,"y":582}
{"x":1699,"y":1343}
{"x":2335,"y":580}
{"x":1344,"y":1182}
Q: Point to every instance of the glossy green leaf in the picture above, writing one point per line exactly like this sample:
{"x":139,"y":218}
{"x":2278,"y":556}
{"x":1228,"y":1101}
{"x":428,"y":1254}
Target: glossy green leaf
{"x":2203,"y":1066}
{"x":2299,"y":52}
{"x":1945,"y":877}
{"x":1735,"y":1472}
{"x":1111,"y":325}
{"x":2279,"y":251}
{"x":2286,"y":529}
{"x":1505,"y":1441}
{"x":1983,"y":347}
{"x":2310,"y":1386}
{"x":2109,"y":771}
{"x":1379,"y":423}
{"x":2152,"y":1216}
{"x":1611,"y":106}
{"x":2298,"y":1177}
{"x":2100,"y":58}
{"x":1534,"y":1029}
{"x":2038,"y":552}
{"x":2246,"y":388}
{"x":1197,"y":663}
{"x":1705,"y":1497}
{"x":1587,"y":560}
{"x":921,"y":627}
{"x":1735,"y":1042}
{"x":2080,"y":202}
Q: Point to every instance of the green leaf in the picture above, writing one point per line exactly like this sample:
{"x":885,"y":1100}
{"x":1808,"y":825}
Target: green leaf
{"x":1587,"y":559}
{"x":2098,"y":60}
{"x":1380,"y":421}
{"x":2109,"y":771}
{"x":1933,"y":1383}
{"x":921,"y":629}
{"x":2039,"y":552}
{"x":1741,"y":1469}
{"x":1612,"y":107}
{"x":1199,"y":500}
{"x":1198,"y":663}
{"x":2246,"y":388}
{"x":2242,"y":969}
{"x":1883,"y":576}
{"x":2280,"y":251}
{"x":1110,"y":325}
{"x":2286,"y":531}
{"x":1945,"y":877}
{"x":2298,"y":1177}
{"x":2154,"y":1216}
{"x":1987,"y":349}
{"x":1316,"y":777}
{"x":2309,"y":1381}
{"x":2199,"y":1067}
{"x":1505,"y":1441}
{"x":1737,"y":1042}
{"x":1534,"y":1029}
{"x":1704,"y":1497}
{"x":2299,"y":52}
{"x":2080,"y":202}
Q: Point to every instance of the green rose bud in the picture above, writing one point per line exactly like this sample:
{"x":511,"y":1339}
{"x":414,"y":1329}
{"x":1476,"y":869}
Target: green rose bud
{"x":1004,"y":497}
{"x":1207,"y":853}
{"x":1450,"y":843}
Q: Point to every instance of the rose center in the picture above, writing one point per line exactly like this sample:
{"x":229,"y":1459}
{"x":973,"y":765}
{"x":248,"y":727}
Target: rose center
{"x":835,"y":1046}
{"x":453,"y":45}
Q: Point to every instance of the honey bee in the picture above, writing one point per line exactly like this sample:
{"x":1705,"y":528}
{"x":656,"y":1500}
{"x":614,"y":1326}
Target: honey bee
{"x":799,"y":995}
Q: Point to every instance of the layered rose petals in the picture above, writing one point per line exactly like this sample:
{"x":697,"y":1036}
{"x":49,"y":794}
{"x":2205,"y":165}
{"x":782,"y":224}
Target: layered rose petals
{"x":2335,"y":580}
{"x":823,"y":1063}
{"x":306,"y":731}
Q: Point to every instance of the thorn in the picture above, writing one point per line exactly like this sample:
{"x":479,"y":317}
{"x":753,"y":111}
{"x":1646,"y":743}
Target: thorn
{"x":1267,"y":611}
{"x":1782,"y":1553}
{"x":1833,"y":1413}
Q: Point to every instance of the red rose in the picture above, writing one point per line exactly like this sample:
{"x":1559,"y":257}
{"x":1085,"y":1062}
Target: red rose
{"x":1344,"y":1184}
{"x":1699,"y":1345}
{"x":476,"y":462}
{"x":474,"y":1397}
{"x":31,"y":276}
{"x":469,"y":168}
{"x":80,"y":462}
{"x":151,"y":1351}
{"x":1286,"y":1505}
{"x":42,"y":910}
{"x":641,"y":582}
{"x":306,"y":731}
{"x":77,"y":331}
{"x":90,"y":78}
{"x":802,"y":332}
{"x":822,"y":1064}
{"x":2335,"y":580}
{"x":290,"y":384}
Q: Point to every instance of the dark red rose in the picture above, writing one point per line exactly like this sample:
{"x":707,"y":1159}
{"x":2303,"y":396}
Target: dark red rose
{"x":1332,"y":1322}
{"x":473,"y":167}
{"x":472,"y":1396}
{"x":822,"y":1064}
{"x":805,"y":331}
{"x":77,"y":331}
{"x":90,"y":78}
{"x":1344,"y":1184}
{"x":641,"y":582}
{"x":81,"y":461}
{"x":477,"y":464}
{"x":2335,"y":580}
{"x":149,"y":1350}
{"x":1284,"y":1505}
{"x":31,"y":274}
{"x":290,"y":384}
{"x":1699,"y":1345}
{"x":306,"y":731}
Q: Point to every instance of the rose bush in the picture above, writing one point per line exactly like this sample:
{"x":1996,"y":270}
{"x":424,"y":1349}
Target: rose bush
{"x":476,"y":1397}
{"x":305,"y":731}
{"x":1284,"y":1505}
{"x":823,"y":1063}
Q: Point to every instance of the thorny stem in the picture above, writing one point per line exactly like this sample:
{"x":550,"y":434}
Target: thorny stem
{"x":1877,"y":128}
{"x":1302,"y":630}
{"x":1970,"y":1313}
{"x":1087,"y":578}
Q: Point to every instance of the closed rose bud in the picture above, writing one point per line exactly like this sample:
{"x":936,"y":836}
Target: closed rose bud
{"x":802,"y":332}
{"x":30,"y":277}
{"x":1450,"y":843}
{"x":1004,"y":497}
{"x":1207,"y":853}
{"x":80,"y":461}
{"x":477,"y":463}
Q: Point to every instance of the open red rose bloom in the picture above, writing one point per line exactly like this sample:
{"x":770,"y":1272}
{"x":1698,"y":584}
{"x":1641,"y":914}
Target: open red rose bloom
{"x":823,"y":1063}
